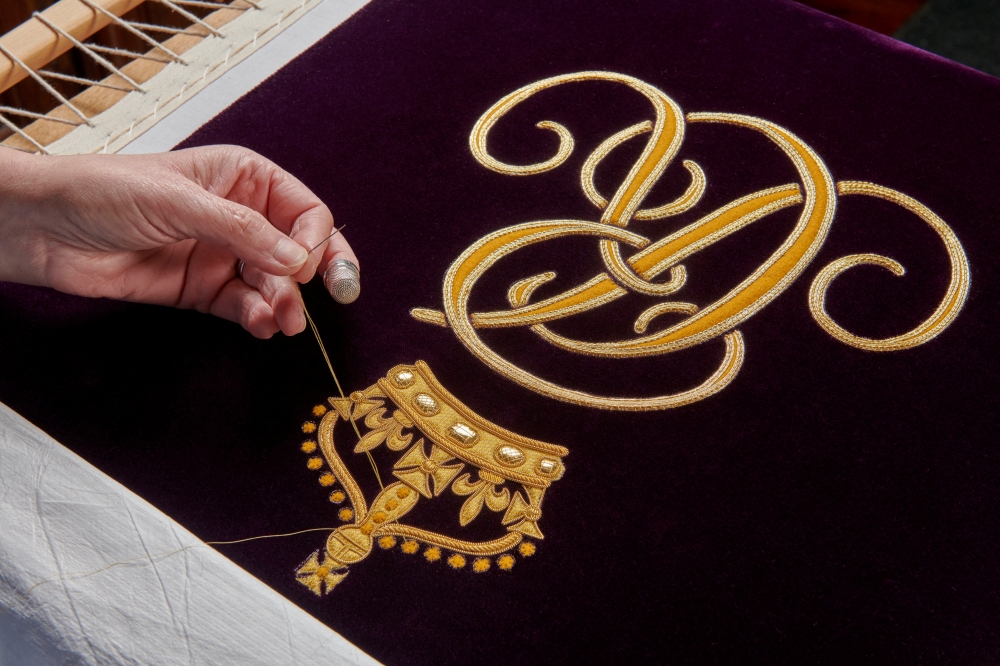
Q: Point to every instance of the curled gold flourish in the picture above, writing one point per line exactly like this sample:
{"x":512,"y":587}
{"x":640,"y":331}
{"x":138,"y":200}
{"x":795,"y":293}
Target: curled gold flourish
{"x":666,"y":136}
{"x":948,"y":308}
{"x":685,"y":202}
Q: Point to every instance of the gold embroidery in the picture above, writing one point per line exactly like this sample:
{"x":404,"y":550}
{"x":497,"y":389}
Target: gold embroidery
{"x":815,"y":194}
{"x":418,"y":469}
{"x":688,"y":200}
{"x":315,"y":576}
{"x":495,"y":547}
{"x":388,"y":430}
{"x":454,"y":437}
{"x":947,"y":310}
{"x":643,"y":320}
{"x":485,"y":490}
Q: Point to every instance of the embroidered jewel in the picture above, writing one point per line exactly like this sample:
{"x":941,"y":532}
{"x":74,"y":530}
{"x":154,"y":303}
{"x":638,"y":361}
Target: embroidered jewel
{"x":548,"y":467}
{"x":404,"y":379}
{"x":427,"y":405}
{"x":509,"y":455}
{"x":463,"y":434}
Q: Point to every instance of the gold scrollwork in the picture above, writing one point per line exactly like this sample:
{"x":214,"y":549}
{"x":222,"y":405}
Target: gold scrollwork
{"x":816,"y":195}
{"x":947,"y":310}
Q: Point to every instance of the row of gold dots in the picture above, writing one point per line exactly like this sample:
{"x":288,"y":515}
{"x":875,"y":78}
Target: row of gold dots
{"x":315,"y":463}
{"x":456,"y":560}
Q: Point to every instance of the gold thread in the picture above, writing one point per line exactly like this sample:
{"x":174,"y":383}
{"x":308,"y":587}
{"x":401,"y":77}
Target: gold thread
{"x":520,"y":292}
{"x":816,"y":195}
{"x":340,"y":470}
{"x":429,"y":316}
{"x":948,"y":308}
{"x":494,"y":547}
{"x":474,"y":262}
{"x":159,"y":556}
{"x":484,"y":491}
{"x":692,"y":195}
{"x":643,"y":320}
{"x":326,"y":357}
{"x":686,"y":201}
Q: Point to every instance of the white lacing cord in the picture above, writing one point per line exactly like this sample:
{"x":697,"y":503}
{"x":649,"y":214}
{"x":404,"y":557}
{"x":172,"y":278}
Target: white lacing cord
{"x":111,"y":50}
{"x":89,"y":51}
{"x":138,"y":33}
{"x":45,"y":84}
{"x":149,"y":27}
{"x":17,"y":130}
{"x":209,"y":5}
{"x":191,"y":17}
{"x":37,"y":116}
{"x":81,"y":81}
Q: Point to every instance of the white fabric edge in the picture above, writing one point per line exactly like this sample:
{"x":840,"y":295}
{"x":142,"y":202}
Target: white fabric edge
{"x":63,"y":600}
{"x":243,"y":77}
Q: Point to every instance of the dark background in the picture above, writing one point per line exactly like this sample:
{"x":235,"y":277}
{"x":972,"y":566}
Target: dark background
{"x":830,"y":506}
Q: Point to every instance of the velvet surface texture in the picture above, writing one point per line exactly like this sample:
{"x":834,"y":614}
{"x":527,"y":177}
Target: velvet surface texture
{"x":831,"y":504}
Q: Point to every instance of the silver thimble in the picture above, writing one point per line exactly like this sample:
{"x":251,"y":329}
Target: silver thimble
{"x":343,"y":281}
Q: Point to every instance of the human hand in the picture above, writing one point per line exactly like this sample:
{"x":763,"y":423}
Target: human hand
{"x":167,"y":229}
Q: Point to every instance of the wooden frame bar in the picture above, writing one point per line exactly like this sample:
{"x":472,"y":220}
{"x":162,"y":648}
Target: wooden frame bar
{"x":37,"y":44}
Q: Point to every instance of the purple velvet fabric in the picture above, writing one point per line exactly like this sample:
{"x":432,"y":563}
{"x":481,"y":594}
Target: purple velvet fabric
{"x":830,"y":506}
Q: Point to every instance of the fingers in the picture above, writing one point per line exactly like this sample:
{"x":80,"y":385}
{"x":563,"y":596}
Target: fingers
{"x":282,"y":295}
{"x":252,"y":182}
{"x":337,"y":248}
{"x":240,"y":303}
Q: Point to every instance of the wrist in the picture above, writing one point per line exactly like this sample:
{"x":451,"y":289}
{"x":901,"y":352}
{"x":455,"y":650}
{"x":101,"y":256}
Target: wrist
{"x":22,"y":202}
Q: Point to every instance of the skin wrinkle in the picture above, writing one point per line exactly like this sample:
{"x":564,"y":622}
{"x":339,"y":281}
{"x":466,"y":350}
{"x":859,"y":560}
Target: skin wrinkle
{"x":184,"y":290}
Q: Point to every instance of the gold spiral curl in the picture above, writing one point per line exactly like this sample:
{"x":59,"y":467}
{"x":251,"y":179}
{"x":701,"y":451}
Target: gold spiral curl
{"x":948,"y":308}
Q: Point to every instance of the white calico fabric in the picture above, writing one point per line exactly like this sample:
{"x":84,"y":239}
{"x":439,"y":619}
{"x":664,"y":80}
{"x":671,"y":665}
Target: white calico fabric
{"x":61,"y":520}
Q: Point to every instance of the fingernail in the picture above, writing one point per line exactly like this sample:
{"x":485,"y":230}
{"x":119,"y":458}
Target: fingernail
{"x":290,"y":253}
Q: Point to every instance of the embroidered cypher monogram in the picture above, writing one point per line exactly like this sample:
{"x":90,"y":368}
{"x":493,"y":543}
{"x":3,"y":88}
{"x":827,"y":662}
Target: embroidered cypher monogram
{"x":815,"y":195}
